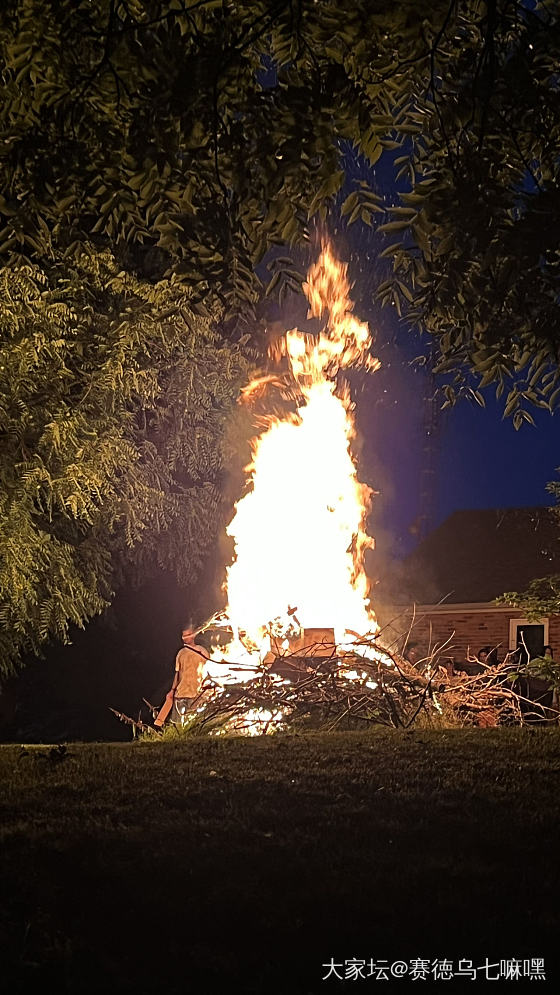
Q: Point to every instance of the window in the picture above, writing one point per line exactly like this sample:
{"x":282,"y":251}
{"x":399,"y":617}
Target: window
{"x":533,"y":634}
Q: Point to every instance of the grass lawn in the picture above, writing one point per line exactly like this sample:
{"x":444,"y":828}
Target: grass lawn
{"x":244,"y":865}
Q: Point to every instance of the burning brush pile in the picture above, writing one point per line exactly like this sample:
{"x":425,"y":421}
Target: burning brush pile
{"x":300,"y":538}
{"x":316,"y":684}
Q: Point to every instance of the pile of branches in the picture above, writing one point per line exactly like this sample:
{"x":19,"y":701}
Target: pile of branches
{"x":351,"y":690}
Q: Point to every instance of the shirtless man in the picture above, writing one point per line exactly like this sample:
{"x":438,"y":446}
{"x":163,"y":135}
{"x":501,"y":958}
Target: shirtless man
{"x":189,"y":674}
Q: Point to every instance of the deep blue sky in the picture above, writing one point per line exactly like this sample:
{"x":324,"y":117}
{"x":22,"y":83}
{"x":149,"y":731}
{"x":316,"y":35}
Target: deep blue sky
{"x":479,"y":460}
{"x":484,"y":462}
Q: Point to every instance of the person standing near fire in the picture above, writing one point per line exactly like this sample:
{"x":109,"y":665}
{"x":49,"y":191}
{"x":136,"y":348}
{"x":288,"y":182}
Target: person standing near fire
{"x":187,"y":682}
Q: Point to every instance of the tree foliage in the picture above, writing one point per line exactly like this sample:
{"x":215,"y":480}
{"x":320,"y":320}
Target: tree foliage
{"x":477,"y":254}
{"x":162,"y":128}
{"x":192,"y":135}
{"x":114,"y":395}
{"x":540,"y":599}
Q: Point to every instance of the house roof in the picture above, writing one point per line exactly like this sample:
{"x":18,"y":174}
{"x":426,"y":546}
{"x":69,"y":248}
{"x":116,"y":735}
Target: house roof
{"x":474,"y":556}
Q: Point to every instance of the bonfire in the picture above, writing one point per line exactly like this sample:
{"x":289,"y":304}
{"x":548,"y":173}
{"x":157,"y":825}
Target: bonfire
{"x":299,"y":641}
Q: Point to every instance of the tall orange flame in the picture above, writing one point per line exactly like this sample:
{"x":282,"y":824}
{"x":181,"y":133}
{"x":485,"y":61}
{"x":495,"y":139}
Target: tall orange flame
{"x":300,"y":532}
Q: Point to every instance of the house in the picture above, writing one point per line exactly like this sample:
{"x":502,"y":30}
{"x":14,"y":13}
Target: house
{"x":447,"y":586}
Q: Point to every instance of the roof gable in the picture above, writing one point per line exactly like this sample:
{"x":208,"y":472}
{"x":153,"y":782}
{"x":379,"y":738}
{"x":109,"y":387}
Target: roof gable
{"x":476,"y":555}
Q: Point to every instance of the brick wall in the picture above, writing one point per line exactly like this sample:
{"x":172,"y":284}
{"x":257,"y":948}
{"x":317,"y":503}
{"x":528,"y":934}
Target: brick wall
{"x":464,"y":629}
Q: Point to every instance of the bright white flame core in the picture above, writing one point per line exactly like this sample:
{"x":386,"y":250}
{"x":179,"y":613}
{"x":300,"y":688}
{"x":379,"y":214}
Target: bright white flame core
{"x":299,"y":533}
{"x":295,"y":529}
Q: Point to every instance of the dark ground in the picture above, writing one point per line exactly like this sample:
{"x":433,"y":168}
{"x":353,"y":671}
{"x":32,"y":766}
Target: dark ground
{"x":245,"y":865}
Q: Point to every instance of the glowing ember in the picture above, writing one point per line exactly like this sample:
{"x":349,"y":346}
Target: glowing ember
{"x":299,"y":532}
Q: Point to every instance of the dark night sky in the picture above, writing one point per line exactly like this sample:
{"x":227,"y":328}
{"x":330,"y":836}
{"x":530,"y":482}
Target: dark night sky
{"x":484,"y":462}
{"x":479,"y":460}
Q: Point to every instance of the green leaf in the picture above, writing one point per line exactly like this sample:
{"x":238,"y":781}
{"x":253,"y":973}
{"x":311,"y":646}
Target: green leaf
{"x":391,"y":250}
{"x":349,"y":204}
{"x":394,"y":226}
